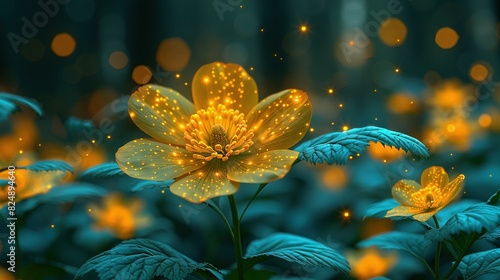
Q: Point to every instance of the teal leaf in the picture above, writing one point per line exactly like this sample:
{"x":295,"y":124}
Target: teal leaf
{"x":295,"y":249}
{"x":48,"y":165}
{"x":4,"y":182}
{"x":336,"y":147}
{"x":60,"y":194}
{"x":477,"y":264}
{"x":104,"y":170}
{"x":144,"y":185}
{"x":412,"y":243}
{"x":492,"y":235}
{"x":494,"y":199}
{"x":143,"y":259}
{"x":75,"y":126}
{"x":379,"y":209}
{"x":474,"y":219}
{"x":9,"y":103}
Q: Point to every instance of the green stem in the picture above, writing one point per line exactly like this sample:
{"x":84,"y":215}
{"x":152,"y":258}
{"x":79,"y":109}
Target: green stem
{"x":219,"y":212}
{"x":461,"y":256}
{"x":261,"y":187}
{"x":438,"y":252}
{"x":428,"y":267}
{"x":237,"y":237}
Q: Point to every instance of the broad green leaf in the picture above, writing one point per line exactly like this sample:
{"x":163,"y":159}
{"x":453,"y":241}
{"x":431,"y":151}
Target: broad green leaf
{"x":336,"y":147}
{"x":143,"y":259}
{"x":144,"y":185}
{"x":104,"y":170}
{"x":48,"y":165}
{"x":412,"y":243}
{"x":9,"y":103}
{"x":494,"y":199}
{"x":252,"y":274}
{"x":492,"y":235}
{"x":477,"y":264}
{"x":295,"y":249}
{"x":379,"y":209}
{"x":474,"y":219}
{"x":75,"y":127}
{"x":61,"y":194}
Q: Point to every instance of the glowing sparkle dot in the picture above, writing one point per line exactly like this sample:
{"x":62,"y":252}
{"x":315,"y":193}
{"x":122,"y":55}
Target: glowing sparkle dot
{"x":132,"y":114}
{"x":177,"y":76}
{"x":109,"y":137}
{"x":346,"y":214}
{"x":311,"y":129}
{"x":185,"y":83}
{"x":341,"y":105}
{"x":163,"y":191}
{"x":345,"y":127}
{"x":52,"y":226}
{"x":20,"y":139}
{"x":21,"y":152}
{"x":206,"y":80}
{"x":396,"y":70}
{"x":351,"y":43}
{"x":90,"y":210}
{"x":93,"y":141}
{"x":262,"y":30}
{"x":330,"y":90}
{"x":303,"y":28}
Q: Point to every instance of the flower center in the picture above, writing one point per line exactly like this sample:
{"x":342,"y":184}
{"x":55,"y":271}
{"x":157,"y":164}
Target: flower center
{"x":217,"y":133}
{"x":428,"y":198}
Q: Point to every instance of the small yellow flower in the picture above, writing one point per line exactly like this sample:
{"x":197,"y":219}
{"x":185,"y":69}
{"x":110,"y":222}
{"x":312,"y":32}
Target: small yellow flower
{"x":225,"y":138}
{"x":369,"y":263}
{"x":120,"y":216}
{"x":424,"y":201}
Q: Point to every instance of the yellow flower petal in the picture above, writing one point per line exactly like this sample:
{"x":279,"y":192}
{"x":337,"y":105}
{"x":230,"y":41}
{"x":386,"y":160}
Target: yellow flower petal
{"x":152,"y":160}
{"x":451,"y":190}
{"x":280,"y":120}
{"x":208,"y":182}
{"x":403,"y":190}
{"x":434,"y":176}
{"x":226,"y":84}
{"x":161,"y":112}
{"x":403,"y":211}
{"x":261,"y":168}
{"x":425,"y":216}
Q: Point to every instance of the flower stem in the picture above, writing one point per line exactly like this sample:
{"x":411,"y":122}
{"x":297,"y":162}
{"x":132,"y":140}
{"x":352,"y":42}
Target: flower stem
{"x":219,"y":212}
{"x":261,"y":187}
{"x":237,"y":237}
{"x":438,"y":252}
{"x":467,"y":246}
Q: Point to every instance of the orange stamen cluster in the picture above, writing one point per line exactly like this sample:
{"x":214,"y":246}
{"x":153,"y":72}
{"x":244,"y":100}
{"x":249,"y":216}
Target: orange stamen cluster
{"x":217,"y":133}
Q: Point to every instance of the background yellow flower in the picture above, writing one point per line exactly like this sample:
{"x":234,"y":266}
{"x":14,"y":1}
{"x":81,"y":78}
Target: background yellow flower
{"x":121,"y":216}
{"x":424,"y":201}
{"x":369,"y":262}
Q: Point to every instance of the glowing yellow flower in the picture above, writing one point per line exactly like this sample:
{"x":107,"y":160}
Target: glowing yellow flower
{"x":223,"y":139}
{"x":423,"y":202}
{"x":369,"y":263}
{"x":120,"y":216}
